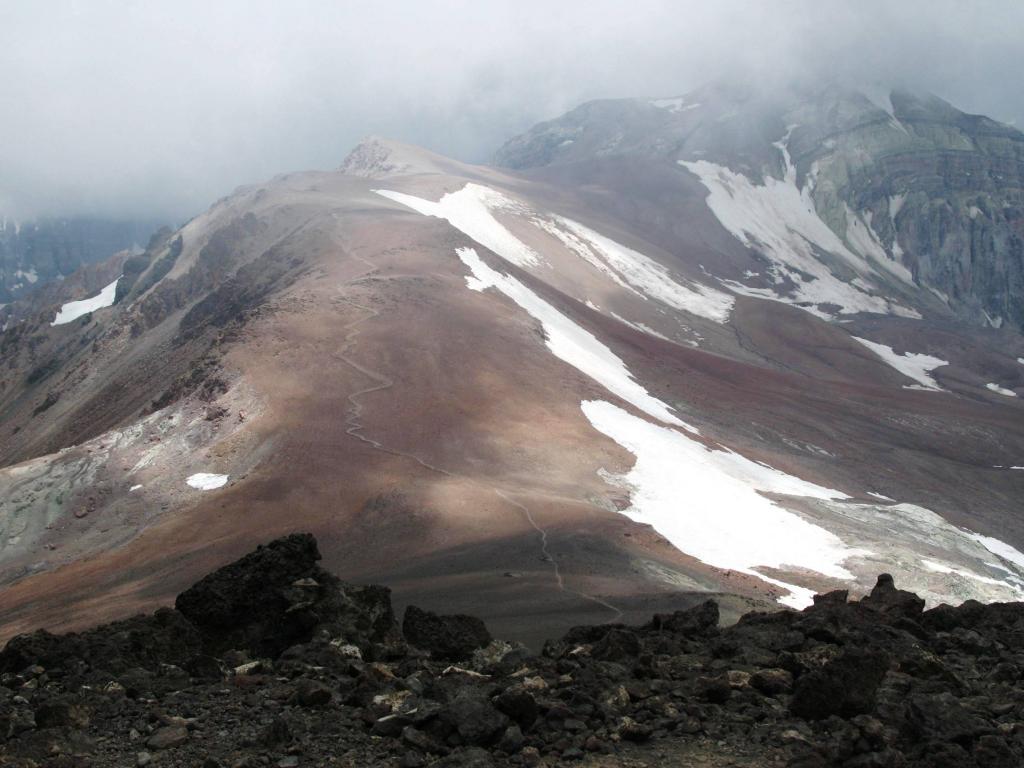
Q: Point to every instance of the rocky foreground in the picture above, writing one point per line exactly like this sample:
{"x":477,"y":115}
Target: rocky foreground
{"x":272,"y":661}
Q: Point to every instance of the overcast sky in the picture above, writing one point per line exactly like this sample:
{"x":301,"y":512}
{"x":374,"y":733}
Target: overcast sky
{"x":159,"y":108}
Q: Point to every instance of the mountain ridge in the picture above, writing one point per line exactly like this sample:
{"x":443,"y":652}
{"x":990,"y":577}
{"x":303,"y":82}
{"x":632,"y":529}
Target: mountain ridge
{"x":545,"y":397}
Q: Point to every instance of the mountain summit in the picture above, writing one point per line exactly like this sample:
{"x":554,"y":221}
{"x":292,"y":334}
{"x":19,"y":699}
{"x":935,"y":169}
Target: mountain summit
{"x":760,"y":347}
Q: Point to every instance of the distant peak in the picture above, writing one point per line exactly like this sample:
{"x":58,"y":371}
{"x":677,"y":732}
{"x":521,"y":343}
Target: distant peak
{"x":377,"y":158}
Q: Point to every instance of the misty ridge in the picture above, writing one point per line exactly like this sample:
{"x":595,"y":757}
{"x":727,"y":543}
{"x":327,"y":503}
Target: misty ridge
{"x":154,"y":111}
{"x":460,"y":384}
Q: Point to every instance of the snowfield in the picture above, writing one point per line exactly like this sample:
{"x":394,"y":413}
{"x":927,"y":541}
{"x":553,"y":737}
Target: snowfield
{"x":912,"y":365}
{"x":779,"y":220}
{"x":708,"y":503}
{"x":76,"y":309}
{"x":470,"y":211}
{"x":642,"y":274}
{"x":205,"y":481}
{"x":569,"y":342}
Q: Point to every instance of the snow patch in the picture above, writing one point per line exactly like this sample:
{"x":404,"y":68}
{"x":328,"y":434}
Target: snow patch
{"x":864,"y":239}
{"x":637,"y":272}
{"x":673,"y":105}
{"x":709,"y":503}
{"x":471,"y":211}
{"x":205,"y":481}
{"x":880,"y":496}
{"x":1000,"y":390}
{"x":779,"y":220}
{"x":569,"y":342}
{"x":134,"y":488}
{"x":76,"y":309}
{"x":1000,"y":548}
{"x":912,"y":365}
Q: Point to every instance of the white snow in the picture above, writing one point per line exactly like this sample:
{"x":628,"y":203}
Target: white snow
{"x":1000,"y":390}
{"x":1020,"y":360}
{"x":1000,"y":549}
{"x":76,"y":309}
{"x":709,"y":503}
{"x":568,"y":341}
{"x":470,"y":210}
{"x":134,"y":488}
{"x":896,"y":205}
{"x":205,"y":481}
{"x":936,"y":567}
{"x":880,"y":496}
{"x":640,"y":327}
{"x":673,"y":105}
{"x":641,"y":273}
{"x":779,"y":220}
{"x":862,"y":236}
{"x":912,"y":365}
{"x":31,"y":275}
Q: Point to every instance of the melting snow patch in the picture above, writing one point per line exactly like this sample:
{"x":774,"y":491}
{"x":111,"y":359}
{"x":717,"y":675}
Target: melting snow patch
{"x":912,"y":365}
{"x":1000,"y":549}
{"x":638,"y":272}
{"x":779,"y":220}
{"x":1000,"y":390}
{"x":206,"y":481}
{"x":134,"y":488}
{"x":673,"y":105}
{"x":568,"y":341}
{"x":709,"y":504}
{"x":880,"y":496}
{"x":470,"y":211}
{"x":76,"y":309}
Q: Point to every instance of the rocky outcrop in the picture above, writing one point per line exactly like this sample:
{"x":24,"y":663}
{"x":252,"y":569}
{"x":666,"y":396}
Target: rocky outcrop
{"x":273,"y":661}
{"x":939,"y":191}
{"x":33,"y":253}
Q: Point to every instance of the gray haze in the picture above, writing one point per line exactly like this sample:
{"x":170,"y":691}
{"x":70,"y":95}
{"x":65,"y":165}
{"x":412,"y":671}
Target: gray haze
{"x":158,"y":108}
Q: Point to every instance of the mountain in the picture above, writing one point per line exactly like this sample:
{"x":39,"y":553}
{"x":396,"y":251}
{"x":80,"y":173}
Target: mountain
{"x":33,"y":253}
{"x":929,"y":194}
{"x":672,"y":349}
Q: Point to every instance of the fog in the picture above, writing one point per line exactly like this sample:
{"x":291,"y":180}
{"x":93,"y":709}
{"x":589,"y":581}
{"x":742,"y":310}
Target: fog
{"x":159,"y":108}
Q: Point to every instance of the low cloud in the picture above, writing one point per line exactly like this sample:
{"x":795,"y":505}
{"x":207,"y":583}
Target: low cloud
{"x":158,"y":108}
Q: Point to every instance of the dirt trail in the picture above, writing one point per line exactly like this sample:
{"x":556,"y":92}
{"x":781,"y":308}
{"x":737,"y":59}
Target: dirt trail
{"x":356,"y":427}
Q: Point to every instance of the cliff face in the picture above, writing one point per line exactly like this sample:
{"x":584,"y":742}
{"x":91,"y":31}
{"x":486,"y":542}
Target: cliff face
{"x":34,"y":253}
{"x":909,"y":177}
{"x":941,"y":190}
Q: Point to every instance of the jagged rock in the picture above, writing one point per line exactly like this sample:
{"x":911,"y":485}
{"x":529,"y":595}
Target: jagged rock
{"x":845,"y":686}
{"x":451,"y":638}
{"x":61,"y":713}
{"x":874,"y":688}
{"x":772,"y":682}
{"x":886,"y":598}
{"x":167,"y":737}
{"x":474,"y":717}
{"x":311,"y":693}
{"x":941,"y":717}
{"x":519,"y":704}
{"x":699,"y":621}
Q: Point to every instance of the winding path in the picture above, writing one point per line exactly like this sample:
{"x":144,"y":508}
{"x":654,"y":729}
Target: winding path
{"x":355,"y":429}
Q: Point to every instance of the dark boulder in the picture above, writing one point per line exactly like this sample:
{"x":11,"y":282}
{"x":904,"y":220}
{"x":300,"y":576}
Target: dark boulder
{"x":474,"y":717}
{"x":617,"y":645}
{"x":699,"y":621}
{"x":885,"y":598}
{"x":450,"y":638}
{"x":845,"y":686}
{"x":277,"y":596}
